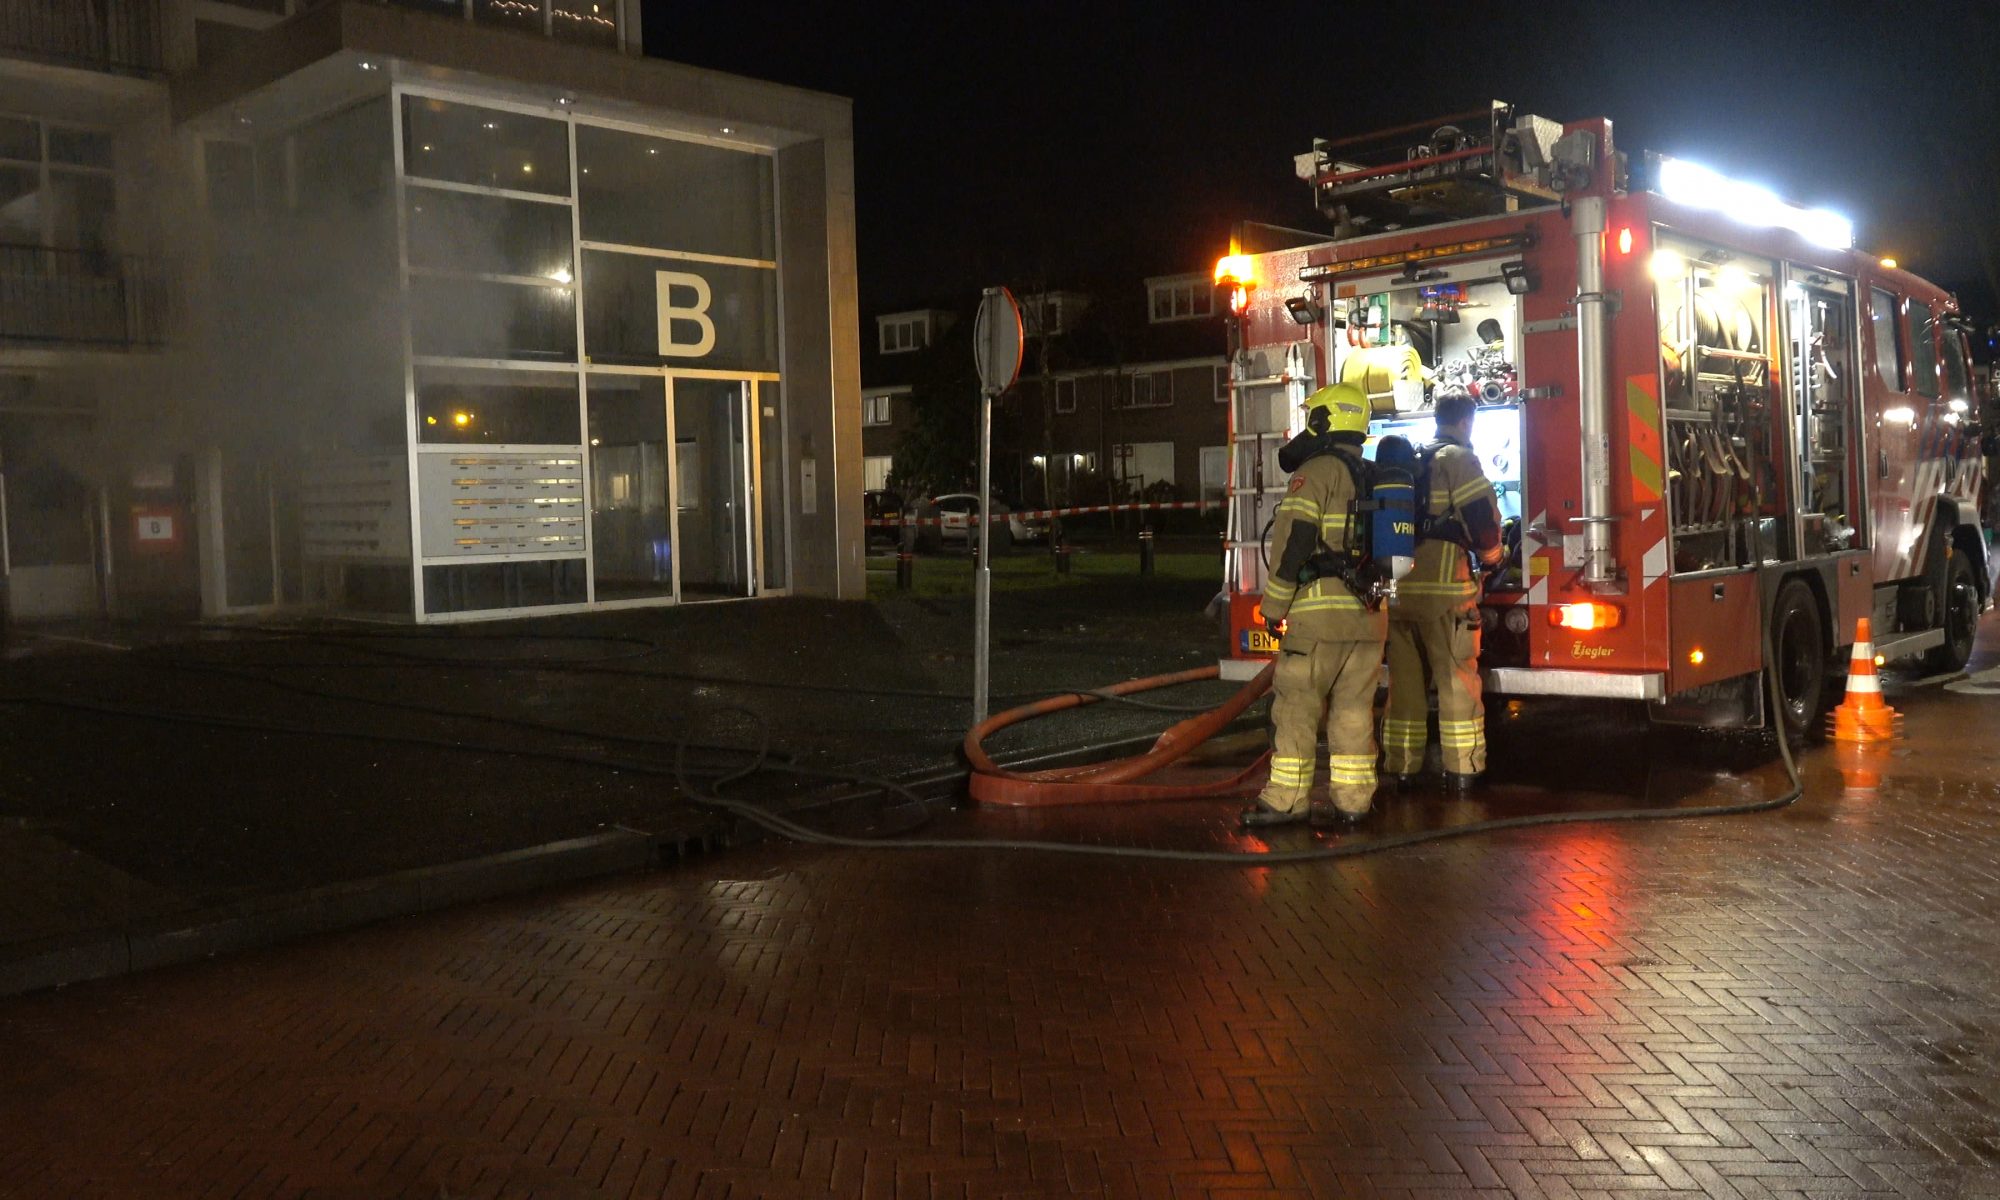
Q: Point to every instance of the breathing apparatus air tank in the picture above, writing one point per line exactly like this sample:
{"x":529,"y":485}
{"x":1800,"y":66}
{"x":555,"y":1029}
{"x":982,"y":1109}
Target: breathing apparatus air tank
{"x":1393,"y":521}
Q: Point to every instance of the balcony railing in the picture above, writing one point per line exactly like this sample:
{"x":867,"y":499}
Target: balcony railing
{"x":77,"y":298}
{"x":104,"y":35}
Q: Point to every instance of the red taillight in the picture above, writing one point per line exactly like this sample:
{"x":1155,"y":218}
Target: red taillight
{"x":1586,"y":616}
{"x":1625,"y":239}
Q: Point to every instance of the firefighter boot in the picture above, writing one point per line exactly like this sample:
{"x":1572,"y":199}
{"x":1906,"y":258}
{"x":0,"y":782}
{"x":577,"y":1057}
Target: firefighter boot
{"x":1326,"y":815}
{"x":1257,"y":816}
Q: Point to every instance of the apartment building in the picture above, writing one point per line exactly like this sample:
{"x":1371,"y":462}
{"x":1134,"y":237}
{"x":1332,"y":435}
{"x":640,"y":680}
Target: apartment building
{"x":428,"y":310}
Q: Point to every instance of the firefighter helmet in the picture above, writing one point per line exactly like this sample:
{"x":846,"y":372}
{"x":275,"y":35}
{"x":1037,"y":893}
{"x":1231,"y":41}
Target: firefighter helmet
{"x":1338,"y":408}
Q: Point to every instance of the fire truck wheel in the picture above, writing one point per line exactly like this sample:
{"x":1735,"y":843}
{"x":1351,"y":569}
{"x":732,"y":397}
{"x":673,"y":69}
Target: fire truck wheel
{"x":1798,"y":648}
{"x":1961,"y":618}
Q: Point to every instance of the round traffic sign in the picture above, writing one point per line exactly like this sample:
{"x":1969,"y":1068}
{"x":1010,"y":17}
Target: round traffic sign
{"x":996,"y":340}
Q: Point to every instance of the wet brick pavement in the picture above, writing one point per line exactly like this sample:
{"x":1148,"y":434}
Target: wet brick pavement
{"x":1798,"y":1004}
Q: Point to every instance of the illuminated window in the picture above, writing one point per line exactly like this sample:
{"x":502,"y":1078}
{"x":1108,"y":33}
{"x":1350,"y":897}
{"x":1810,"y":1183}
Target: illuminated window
{"x":875,"y":472}
{"x":875,"y":410}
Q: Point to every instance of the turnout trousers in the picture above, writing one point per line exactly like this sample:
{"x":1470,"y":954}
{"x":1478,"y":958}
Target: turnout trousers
{"x":1434,"y":647}
{"x":1334,"y":681}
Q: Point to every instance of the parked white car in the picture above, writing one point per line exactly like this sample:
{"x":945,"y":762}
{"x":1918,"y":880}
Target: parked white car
{"x":955,"y":512}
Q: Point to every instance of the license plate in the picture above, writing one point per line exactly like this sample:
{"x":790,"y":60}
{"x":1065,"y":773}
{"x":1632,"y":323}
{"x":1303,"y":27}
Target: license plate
{"x":1259,"y":641}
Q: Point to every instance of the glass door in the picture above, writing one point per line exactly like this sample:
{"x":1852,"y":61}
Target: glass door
{"x":715,"y":487}
{"x":631,"y":525}
{"x":50,"y":516}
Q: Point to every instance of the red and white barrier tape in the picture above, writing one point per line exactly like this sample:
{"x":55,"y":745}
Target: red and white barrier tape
{"x":1041,"y":514}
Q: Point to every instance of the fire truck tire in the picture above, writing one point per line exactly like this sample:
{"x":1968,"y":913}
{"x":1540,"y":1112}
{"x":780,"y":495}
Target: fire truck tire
{"x":1798,"y":650}
{"x":1960,"y":606}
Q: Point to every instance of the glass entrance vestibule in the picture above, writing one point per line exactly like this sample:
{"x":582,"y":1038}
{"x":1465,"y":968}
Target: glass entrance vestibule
{"x":675,"y":488}
{"x":591,"y":404}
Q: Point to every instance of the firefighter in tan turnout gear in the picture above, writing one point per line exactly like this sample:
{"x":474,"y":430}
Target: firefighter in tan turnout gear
{"x":1330,"y":656}
{"x":1434,"y":619}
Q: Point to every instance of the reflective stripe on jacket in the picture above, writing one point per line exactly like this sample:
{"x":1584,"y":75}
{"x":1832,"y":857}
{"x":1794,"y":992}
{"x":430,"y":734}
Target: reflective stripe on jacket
{"x":1442,"y":571}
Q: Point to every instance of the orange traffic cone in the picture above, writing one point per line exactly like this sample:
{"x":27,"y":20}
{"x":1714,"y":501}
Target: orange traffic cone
{"x":1861,"y":716}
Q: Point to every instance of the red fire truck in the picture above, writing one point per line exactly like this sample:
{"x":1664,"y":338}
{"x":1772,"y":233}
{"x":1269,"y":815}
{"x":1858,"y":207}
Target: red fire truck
{"x":1706,"y":414}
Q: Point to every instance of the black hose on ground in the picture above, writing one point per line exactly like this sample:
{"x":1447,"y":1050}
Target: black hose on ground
{"x":801,"y":833}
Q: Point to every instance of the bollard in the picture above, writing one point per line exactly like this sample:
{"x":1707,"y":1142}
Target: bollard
{"x":1146,"y":551}
{"x":906,"y":570}
{"x":1062,"y":558}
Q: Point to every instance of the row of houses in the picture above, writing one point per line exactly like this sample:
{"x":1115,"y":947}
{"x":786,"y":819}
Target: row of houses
{"x":1123,"y":394}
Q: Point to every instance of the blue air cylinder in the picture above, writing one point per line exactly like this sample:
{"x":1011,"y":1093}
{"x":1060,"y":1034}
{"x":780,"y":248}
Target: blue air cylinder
{"x":1393,"y":529}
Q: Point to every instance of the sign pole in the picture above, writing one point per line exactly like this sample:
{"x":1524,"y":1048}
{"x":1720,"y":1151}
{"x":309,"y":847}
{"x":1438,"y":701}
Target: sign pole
{"x":982,"y":610}
{"x":996,"y":344}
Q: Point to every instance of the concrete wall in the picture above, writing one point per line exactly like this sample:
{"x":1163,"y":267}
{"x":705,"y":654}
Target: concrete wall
{"x":822,"y":364}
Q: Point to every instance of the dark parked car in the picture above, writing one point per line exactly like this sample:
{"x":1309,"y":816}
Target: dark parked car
{"x":879,"y":505}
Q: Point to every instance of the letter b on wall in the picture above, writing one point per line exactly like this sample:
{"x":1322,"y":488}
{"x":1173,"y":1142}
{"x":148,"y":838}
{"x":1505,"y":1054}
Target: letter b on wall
{"x":683,"y":302}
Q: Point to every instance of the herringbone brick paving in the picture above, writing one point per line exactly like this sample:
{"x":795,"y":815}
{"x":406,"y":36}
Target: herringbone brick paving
{"x":1805,"y":1004}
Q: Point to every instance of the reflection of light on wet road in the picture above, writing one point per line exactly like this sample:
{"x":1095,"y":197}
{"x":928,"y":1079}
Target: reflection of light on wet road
{"x":1583,"y":879}
{"x":1861,"y":765}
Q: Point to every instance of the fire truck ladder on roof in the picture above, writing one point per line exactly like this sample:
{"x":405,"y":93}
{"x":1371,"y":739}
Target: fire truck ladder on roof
{"x":1465,"y":164}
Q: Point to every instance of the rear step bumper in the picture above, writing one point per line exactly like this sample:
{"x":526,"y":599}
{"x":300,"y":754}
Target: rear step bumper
{"x":1602,"y":685}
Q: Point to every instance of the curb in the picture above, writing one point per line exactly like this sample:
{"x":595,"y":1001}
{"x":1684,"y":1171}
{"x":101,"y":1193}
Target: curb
{"x":230,"y":928}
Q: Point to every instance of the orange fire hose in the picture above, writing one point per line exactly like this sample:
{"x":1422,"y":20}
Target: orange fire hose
{"x":1115,"y":781}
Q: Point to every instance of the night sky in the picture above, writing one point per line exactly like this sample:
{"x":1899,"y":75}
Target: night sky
{"x":1033,"y":143}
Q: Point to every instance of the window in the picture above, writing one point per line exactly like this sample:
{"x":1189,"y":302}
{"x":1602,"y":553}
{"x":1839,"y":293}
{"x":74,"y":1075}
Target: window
{"x":875,"y":410}
{"x":1182,"y":298}
{"x":476,"y":318}
{"x":1152,"y":389}
{"x":1050,"y":314}
{"x":591,"y":22}
{"x":875,"y":472}
{"x":482,"y":407}
{"x":1214,"y":475}
{"x":904,"y":333}
{"x":1889,"y":354}
{"x":666,"y":194}
{"x":56,"y":187}
{"x":1221,"y":384}
{"x":1065,"y":395}
{"x":492,"y":235}
{"x":1923,"y":349}
{"x":1144,"y":464}
{"x":461,"y":143}
{"x":1955,"y":381}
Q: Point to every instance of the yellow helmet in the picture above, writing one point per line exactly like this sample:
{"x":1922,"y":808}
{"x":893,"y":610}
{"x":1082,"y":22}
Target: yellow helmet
{"x":1338,"y":408}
